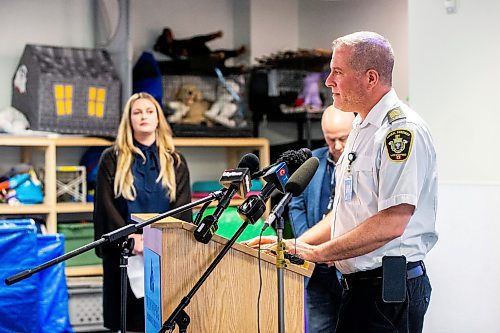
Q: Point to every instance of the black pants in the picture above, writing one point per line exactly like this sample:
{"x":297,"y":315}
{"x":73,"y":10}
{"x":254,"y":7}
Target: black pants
{"x":363,"y":311}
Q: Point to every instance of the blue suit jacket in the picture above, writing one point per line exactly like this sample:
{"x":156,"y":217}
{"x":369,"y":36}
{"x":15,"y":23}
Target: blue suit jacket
{"x":304,"y":210}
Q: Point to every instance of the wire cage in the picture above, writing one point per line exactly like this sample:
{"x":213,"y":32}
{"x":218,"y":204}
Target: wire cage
{"x":71,"y":183}
{"x":210,"y":88}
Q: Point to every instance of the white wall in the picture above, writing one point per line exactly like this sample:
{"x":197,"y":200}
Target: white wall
{"x":273,"y":26}
{"x":463,"y":266}
{"x":185,"y":17}
{"x":49,"y":22}
{"x":453,"y":71}
{"x":320,"y":22}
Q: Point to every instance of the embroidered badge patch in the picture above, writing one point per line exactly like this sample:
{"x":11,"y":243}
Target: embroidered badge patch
{"x":398,"y":144}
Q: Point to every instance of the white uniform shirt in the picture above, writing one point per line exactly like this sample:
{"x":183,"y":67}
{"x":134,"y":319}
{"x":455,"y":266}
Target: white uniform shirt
{"x":380,"y":181}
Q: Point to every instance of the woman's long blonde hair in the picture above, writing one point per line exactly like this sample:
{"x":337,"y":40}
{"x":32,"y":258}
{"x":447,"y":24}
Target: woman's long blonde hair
{"x":125,"y":149}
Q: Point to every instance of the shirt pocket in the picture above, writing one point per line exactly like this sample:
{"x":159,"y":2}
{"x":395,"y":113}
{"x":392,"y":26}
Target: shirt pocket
{"x":363,"y":182}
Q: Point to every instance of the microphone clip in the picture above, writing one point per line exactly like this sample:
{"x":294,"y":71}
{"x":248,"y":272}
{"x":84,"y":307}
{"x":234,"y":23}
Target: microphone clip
{"x":252,"y":209}
{"x":206,"y":229}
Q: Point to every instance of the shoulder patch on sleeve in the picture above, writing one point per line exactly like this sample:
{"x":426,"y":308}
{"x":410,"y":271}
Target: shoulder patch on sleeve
{"x":395,"y":114}
{"x":398,"y":143}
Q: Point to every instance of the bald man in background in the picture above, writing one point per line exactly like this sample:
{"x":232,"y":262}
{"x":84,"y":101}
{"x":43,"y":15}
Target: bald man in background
{"x":323,"y":290}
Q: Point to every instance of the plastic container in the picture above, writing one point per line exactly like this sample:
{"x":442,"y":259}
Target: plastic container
{"x":77,"y":235}
{"x":230,"y":221}
{"x":85,"y":304}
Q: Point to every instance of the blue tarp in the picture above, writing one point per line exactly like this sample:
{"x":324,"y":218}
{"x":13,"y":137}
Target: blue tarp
{"x":18,"y":302}
{"x":53,"y":291}
{"x":40,"y":302}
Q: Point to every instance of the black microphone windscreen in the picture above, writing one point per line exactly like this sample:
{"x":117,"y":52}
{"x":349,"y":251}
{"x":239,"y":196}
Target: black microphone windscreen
{"x":249,"y":161}
{"x":300,"y":179}
{"x":294,"y":159}
{"x":307,"y":152}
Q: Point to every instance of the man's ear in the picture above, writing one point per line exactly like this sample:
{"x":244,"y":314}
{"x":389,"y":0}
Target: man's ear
{"x":372,"y":78}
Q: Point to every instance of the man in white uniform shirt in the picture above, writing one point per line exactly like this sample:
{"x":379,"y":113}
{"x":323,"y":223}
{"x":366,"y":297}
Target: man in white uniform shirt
{"x":385,"y":196}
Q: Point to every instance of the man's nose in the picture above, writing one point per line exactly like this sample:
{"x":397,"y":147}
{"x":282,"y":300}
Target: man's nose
{"x":338,"y":145}
{"x":329,"y":81}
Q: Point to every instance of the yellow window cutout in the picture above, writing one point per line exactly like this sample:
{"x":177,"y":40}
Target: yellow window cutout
{"x":91,"y":109}
{"x":60,"y":107}
{"x":96,"y":102}
{"x":63,"y":94}
{"x":91,"y":103}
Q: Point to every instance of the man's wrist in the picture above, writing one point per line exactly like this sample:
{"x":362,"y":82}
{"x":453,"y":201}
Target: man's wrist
{"x":319,"y":253}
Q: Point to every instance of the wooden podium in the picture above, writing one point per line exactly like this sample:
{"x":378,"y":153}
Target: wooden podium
{"x":227,"y":301}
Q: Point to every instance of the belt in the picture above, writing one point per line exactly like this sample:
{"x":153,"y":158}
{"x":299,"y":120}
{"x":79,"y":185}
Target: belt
{"x":374,"y":277}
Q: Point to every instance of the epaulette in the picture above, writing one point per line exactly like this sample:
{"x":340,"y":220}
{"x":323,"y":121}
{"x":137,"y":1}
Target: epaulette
{"x":395,"y":114}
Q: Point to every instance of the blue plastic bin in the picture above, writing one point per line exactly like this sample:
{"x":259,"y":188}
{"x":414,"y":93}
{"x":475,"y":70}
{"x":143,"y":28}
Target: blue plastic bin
{"x":38,"y":303}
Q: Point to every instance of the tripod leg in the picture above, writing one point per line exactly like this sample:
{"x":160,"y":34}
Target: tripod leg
{"x":127,"y":247}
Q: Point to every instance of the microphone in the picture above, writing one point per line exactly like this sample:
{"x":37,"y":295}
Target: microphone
{"x":235,"y":180}
{"x":255,"y":205}
{"x":295,"y":186}
{"x":292,"y":158}
{"x":276,"y":177}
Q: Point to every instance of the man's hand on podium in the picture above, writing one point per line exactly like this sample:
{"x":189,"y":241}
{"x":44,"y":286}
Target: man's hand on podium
{"x":302,"y":250}
{"x":266,"y":242}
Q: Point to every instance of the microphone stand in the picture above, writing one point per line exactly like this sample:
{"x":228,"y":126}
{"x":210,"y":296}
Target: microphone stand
{"x":120,"y":234}
{"x":280,"y":265}
{"x":179,"y":316}
{"x":127,"y":246}
{"x":277,"y":215}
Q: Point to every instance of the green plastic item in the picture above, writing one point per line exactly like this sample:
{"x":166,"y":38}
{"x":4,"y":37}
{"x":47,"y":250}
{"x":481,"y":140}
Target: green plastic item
{"x":77,"y":235}
{"x":230,"y":221}
{"x":213,"y":185}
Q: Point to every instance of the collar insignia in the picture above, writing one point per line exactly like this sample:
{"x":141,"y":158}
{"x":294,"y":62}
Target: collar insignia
{"x":395,"y":114}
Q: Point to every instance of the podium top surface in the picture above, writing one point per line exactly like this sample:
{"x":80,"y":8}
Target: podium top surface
{"x":172,"y":223}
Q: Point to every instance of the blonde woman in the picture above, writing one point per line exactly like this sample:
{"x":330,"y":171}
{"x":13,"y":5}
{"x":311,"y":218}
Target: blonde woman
{"x":140,"y":173}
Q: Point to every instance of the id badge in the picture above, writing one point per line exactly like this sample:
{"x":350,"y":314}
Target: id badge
{"x":348,"y":188}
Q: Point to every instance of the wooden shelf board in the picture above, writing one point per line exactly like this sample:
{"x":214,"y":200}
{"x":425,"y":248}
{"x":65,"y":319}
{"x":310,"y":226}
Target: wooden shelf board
{"x":84,"y":270}
{"x":46,"y":140}
{"x":74,"y":207}
{"x":24,"y":209}
{"x":77,"y":141}
{"x":23,"y":141}
{"x":220,"y":142}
